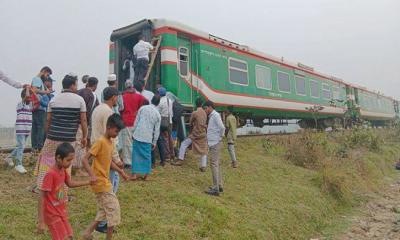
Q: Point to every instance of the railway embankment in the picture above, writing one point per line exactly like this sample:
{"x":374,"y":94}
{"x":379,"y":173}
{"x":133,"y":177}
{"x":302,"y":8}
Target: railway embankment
{"x":301,"y":186}
{"x":354,"y":170}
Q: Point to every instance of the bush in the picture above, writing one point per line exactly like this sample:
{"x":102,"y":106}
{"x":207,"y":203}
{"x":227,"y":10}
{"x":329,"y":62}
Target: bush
{"x":362,"y":137}
{"x":346,"y":163}
{"x":308,"y":149}
{"x":335,"y":182}
{"x":271,"y":146}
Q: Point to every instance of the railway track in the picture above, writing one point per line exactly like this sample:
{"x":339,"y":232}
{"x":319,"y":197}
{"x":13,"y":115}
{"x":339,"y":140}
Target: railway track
{"x":267,"y":134}
{"x":9,"y":149}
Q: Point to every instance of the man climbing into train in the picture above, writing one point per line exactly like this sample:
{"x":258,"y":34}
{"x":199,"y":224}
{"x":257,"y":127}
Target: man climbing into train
{"x":141,"y":51}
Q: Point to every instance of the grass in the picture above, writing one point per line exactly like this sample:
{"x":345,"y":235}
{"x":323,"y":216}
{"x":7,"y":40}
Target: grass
{"x":267,"y":197}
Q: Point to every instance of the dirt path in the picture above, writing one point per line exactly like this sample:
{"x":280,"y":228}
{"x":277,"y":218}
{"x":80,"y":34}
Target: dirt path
{"x":381,"y":218}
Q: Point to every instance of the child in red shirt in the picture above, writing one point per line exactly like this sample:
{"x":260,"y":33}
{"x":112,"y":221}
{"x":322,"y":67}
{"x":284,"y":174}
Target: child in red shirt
{"x":53,"y":198}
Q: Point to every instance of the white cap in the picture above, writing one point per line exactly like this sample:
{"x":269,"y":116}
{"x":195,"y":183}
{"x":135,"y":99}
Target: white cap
{"x":128,"y":83}
{"x":112,"y":77}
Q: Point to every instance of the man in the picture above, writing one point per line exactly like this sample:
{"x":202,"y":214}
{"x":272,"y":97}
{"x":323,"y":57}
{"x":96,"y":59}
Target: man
{"x":165,"y":143}
{"x":9,"y":81}
{"x":112,"y":82}
{"x":141,"y":51}
{"x":39,"y":115}
{"x":88,"y":94}
{"x":91,"y":101}
{"x":231,"y":125}
{"x":85,"y":79}
{"x":132,"y":102}
{"x":65,"y":112}
{"x":197,"y":137}
{"x":145,"y":134}
{"x":215,"y":133}
{"x":142,"y":90}
{"x":100,"y":116}
{"x":129,"y":66}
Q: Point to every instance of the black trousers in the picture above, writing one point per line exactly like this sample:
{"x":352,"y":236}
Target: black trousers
{"x":141,"y":67}
{"x":38,"y":123}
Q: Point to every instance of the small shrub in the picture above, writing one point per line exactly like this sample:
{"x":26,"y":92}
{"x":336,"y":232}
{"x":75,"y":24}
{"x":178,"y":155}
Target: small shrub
{"x":308,"y":150}
{"x":335,"y":182}
{"x":342,"y":151}
{"x":362,"y":137}
{"x":271,"y":147}
{"x":393,"y":134}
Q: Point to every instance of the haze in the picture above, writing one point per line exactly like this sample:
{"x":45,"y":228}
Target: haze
{"x":358,"y":41}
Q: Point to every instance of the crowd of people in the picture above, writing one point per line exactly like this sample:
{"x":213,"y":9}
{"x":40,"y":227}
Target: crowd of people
{"x":101,"y":138}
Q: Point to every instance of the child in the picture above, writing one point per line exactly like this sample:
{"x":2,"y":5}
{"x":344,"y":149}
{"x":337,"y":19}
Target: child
{"x":52,"y":199}
{"x":23,"y":127}
{"x":107,"y":202}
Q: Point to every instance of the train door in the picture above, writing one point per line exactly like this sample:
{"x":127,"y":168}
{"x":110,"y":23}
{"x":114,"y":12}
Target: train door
{"x":356,"y":97}
{"x":185,"y":94}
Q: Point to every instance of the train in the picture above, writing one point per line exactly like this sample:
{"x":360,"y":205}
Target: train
{"x":191,"y":63}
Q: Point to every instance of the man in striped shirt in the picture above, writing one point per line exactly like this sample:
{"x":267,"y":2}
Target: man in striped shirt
{"x":23,"y":126}
{"x":64,"y":114}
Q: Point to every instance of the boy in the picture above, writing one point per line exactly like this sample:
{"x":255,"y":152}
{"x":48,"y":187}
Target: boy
{"x":107,"y":202}
{"x":23,"y":126}
{"x":230,"y":132}
{"x":52,"y":200}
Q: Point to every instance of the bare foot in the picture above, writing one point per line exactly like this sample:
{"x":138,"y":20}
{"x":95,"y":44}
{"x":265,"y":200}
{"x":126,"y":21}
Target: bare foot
{"x":86,"y":236}
{"x":133,"y":177}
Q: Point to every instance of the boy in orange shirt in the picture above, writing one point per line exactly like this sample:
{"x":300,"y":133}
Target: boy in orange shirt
{"x":53,"y":198}
{"x":107,"y":202}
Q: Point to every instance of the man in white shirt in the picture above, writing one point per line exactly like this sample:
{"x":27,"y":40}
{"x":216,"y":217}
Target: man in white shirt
{"x":215,"y":133}
{"x":141,"y":51}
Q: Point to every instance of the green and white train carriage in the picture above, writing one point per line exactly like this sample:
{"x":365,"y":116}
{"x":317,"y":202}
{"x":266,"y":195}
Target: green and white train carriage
{"x":375,"y":107}
{"x":191,"y":63}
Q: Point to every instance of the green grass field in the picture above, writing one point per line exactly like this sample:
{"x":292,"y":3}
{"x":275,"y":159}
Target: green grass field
{"x":265,"y":198}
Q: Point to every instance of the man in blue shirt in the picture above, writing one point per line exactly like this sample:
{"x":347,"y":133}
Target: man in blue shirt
{"x":39,"y":114}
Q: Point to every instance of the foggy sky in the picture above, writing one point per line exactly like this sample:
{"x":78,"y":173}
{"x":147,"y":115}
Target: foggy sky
{"x":356,"y":40}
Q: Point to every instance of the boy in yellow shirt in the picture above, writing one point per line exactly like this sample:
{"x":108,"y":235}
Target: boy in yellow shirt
{"x":107,"y":202}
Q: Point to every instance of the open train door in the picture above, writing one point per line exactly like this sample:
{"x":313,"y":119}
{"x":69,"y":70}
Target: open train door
{"x":185,"y":93}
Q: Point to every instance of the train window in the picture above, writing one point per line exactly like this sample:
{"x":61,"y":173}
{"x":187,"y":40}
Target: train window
{"x":283,"y":82}
{"x":300,"y":85}
{"x":183,"y":61}
{"x":335,"y":93}
{"x":314,"y":87}
{"x":263,"y":77}
{"x":238,"y":72}
{"x":326,"y":91}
